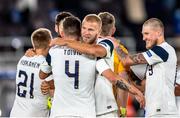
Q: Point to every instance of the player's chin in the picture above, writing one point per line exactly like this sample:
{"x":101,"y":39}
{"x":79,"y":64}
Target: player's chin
{"x":148,"y":46}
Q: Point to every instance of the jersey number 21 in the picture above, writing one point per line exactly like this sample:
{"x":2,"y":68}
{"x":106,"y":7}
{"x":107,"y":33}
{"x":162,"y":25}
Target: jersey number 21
{"x":23,"y":74}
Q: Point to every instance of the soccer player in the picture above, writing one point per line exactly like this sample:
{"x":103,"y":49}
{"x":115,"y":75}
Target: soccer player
{"x":74,"y":85}
{"x":160,"y":75}
{"x":29,"y":101}
{"x":91,"y":27}
{"x":45,"y":87}
{"x":59,"y":17}
{"x":106,"y":102}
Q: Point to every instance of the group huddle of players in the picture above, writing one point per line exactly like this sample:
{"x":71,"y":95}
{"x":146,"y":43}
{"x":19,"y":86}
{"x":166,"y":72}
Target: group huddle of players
{"x":87,"y":72}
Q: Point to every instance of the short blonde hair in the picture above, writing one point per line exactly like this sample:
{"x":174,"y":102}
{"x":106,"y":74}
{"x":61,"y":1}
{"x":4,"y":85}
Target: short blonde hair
{"x":93,"y":18}
{"x":40,"y":38}
{"x":155,"y":23}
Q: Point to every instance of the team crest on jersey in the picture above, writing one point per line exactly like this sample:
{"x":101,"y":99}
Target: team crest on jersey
{"x":148,"y":53}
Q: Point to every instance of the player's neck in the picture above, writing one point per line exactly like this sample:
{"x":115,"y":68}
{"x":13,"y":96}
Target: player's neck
{"x":76,"y":38}
{"x":161,"y":40}
{"x":42,"y":52}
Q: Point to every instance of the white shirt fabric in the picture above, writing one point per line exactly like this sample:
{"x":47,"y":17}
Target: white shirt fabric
{"x":29,"y":101}
{"x":74,"y":77}
{"x":160,"y":78}
{"x":105,"y":100}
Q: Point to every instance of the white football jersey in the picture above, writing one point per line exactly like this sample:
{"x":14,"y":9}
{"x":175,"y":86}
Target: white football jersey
{"x":74,"y":77}
{"x":160,"y":80}
{"x":178,"y":97}
{"x":105,"y":100}
{"x":29,"y":101}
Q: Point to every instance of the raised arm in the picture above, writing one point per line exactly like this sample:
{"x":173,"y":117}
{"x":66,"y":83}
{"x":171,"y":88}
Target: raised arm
{"x":89,"y":49}
{"x":129,"y":60}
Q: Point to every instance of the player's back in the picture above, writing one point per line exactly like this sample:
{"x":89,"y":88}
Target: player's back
{"x":74,"y":76}
{"x":29,"y":101}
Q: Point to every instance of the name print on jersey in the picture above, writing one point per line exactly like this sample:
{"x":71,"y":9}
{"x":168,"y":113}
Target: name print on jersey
{"x":30,"y":63}
{"x":71,"y":52}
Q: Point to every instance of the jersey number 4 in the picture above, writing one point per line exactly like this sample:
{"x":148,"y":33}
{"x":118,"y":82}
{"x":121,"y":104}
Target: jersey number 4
{"x":23,"y":74}
{"x":75,"y":75}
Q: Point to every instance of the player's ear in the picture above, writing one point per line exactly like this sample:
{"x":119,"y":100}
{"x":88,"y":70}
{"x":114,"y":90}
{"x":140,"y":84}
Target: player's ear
{"x":62,"y":34}
{"x":159,"y":33}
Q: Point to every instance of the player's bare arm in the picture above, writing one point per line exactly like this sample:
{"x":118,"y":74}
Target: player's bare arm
{"x":124,"y":84}
{"x":138,"y":58}
{"x":89,"y":49}
{"x":43,"y":75}
{"x":129,"y":60}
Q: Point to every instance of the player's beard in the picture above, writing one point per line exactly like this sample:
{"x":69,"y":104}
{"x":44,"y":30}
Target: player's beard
{"x":94,"y":39}
{"x":90,"y":40}
{"x":151,"y":44}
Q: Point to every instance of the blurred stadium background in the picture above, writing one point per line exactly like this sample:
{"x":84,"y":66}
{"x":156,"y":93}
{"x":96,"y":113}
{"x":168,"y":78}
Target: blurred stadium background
{"x":18,"y":18}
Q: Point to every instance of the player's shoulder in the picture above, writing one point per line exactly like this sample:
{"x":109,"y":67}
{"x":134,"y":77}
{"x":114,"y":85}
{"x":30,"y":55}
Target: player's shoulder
{"x":36,"y":58}
{"x":105,"y":42}
{"x":104,"y":39}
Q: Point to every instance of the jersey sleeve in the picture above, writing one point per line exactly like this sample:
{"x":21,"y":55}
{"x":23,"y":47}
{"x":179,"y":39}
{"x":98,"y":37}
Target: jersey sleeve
{"x":46,"y":65}
{"x":156,"y":55}
{"x":108,"y":45}
{"x":102,"y":65}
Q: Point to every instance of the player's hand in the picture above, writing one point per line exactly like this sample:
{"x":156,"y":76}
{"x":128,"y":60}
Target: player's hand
{"x":141,"y":99}
{"x":57,"y":41}
{"x":45,"y":88}
{"x":30,"y":52}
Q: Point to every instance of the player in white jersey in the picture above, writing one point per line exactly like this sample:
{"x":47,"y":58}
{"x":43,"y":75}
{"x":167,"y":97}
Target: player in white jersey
{"x":103,"y":48}
{"x":106,"y":105}
{"x":74,"y":76}
{"x":45,"y":87}
{"x":29,"y":101}
{"x":160,"y":76}
{"x":177,"y":90}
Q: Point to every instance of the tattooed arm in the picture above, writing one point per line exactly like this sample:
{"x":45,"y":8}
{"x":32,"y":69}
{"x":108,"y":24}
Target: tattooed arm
{"x":129,"y":60}
{"x":124,"y":84}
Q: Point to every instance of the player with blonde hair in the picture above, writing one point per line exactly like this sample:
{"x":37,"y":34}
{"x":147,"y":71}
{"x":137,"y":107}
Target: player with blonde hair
{"x":160,"y":56}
